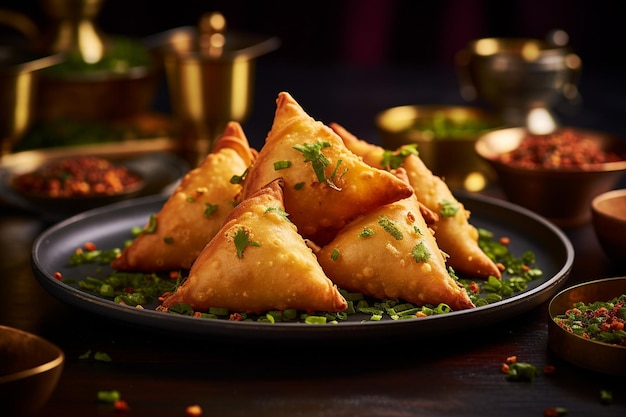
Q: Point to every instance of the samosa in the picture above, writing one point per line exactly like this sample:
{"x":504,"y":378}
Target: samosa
{"x":195,"y":211}
{"x":258,"y":262}
{"x":326,"y":184}
{"x":391,"y":253}
{"x":455,"y":234}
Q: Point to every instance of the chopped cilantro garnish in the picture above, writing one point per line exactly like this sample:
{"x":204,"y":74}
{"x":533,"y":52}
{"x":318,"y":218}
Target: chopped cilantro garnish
{"x":151,"y":226}
{"x":449,"y":208}
{"x":393,"y":159}
{"x":390,"y":227}
{"x":334,"y":255}
{"x":238,"y":179}
{"x":278,"y":211}
{"x":242,"y":241}
{"x":313,"y":153}
{"x":298,"y":186}
{"x":420,"y":253}
{"x":366,"y":232}
{"x":278,"y":165}
{"x":209,"y":209}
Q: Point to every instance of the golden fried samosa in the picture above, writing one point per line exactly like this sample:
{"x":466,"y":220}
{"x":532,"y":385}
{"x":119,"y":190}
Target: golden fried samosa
{"x":194,"y":212}
{"x":455,"y":234}
{"x":258,"y":262}
{"x":391,"y":253}
{"x":326,"y":184}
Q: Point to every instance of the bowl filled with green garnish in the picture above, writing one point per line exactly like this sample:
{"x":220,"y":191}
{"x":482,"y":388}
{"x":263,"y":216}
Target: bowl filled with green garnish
{"x":445,"y":137}
{"x":587,"y":325}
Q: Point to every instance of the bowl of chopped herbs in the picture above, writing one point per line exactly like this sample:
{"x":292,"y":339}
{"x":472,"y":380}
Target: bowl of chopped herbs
{"x":587,"y":325}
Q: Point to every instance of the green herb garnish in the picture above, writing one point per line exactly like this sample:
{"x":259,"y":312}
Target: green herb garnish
{"x":366,"y":232}
{"x":394,"y":159}
{"x":449,"y":208}
{"x":420,"y":253}
{"x":242,"y":241}
{"x":278,"y":165}
{"x":313,"y":153}
{"x":239,"y":179}
{"x":390,"y":227}
{"x":209,"y":209}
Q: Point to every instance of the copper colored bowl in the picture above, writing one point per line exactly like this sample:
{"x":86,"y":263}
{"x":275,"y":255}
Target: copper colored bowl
{"x":561,"y":195}
{"x":30,"y":368}
{"x":608,"y":214}
{"x":586,"y":353}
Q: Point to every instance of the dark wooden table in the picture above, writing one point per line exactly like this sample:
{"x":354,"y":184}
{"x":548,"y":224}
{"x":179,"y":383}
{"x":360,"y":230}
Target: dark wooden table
{"x":160,"y":374}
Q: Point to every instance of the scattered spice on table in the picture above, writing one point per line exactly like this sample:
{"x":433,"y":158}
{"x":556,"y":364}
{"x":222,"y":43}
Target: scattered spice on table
{"x":602,"y":321}
{"x":562,"y":149}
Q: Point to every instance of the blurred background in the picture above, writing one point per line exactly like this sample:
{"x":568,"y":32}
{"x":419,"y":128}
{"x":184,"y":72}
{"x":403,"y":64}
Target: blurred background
{"x":387,"y":52}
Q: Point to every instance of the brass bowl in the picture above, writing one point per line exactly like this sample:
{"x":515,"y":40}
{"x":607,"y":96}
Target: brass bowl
{"x":30,"y":368}
{"x":608,"y":214}
{"x":517,"y":75}
{"x":587,"y":353}
{"x":445,"y":136}
{"x":561,"y":195}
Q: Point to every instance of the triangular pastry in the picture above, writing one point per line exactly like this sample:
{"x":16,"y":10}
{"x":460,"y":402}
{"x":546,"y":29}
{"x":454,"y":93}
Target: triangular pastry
{"x":391,"y":253}
{"x":258,"y":262}
{"x":194,"y":212}
{"x":455,"y":234}
{"x":326,"y":184}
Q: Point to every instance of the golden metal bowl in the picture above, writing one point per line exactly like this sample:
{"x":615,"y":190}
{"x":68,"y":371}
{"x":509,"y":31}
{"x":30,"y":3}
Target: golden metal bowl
{"x":608,"y":214}
{"x":30,"y":368}
{"x":445,"y":136}
{"x":561,"y":195}
{"x":586,"y":353}
{"x":517,"y":75}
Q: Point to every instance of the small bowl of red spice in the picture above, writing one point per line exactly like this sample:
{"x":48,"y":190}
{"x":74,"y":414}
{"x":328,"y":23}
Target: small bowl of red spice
{"x":587,"y":325}
{"x":78,"y":183}
{"x":556,"y":174}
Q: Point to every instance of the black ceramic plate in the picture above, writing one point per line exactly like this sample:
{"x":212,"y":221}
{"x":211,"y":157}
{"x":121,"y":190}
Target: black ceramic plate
{"x":160,"y":170}
{"x":110,"y":226}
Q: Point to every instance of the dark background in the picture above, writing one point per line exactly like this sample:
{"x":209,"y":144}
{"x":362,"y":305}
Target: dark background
{"x":373,"y":32}
{"x":392,"y":52}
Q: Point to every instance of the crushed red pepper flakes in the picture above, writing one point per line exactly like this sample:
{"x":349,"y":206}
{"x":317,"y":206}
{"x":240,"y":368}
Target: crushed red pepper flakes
{"x":549,"y":369}
{"x":121,"y":406}
{"x":562,"y":149}
{"x":193,"y":411}
{"x":89,"y":246}
{"x":58,"y":276}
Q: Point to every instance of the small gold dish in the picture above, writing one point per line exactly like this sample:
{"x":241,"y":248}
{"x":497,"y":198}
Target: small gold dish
{"x":445,"y":138}
{"x":587,"y":353}
{"x":30,"y":369}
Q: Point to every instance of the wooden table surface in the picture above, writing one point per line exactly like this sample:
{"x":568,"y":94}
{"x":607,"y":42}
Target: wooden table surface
{"x":160,"y":375}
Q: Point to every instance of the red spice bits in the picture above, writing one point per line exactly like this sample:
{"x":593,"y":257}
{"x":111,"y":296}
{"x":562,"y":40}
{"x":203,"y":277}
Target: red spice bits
{"x":193,"y":411}
{"x":77,"y":177}
{"x":562,"y":149}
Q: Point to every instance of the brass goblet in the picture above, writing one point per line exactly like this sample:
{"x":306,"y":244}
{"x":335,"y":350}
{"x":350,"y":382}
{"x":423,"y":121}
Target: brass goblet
{"x":523,"y":78}
{"x":210,"y":77}
{"x":18,"y":83}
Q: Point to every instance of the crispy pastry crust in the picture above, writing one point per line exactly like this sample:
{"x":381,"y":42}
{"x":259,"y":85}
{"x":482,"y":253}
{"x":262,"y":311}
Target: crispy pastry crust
{"x":183,"y":225}
{"x":455,"y":235}
{"x":276,"y":270}
{"x":319,"y":208}
{"x":391,"y":253}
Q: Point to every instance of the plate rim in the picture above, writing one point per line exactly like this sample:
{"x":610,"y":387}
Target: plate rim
{"x":153,"y":320}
